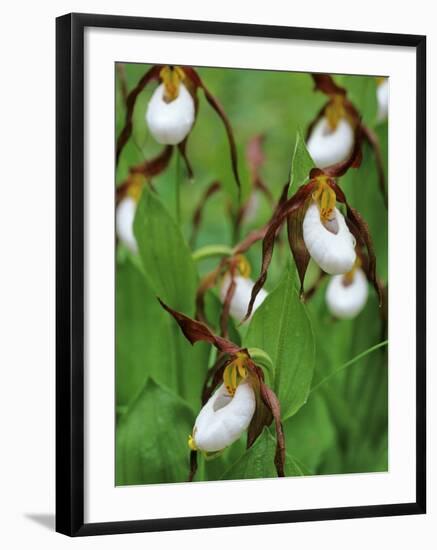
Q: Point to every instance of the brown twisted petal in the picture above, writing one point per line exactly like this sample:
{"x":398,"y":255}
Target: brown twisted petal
{"x":198,"y":83}
{"x":297,"y":244}
{"x":360,"y":230}
{"x":272,"y":402}
{"x":214,"y":376}
{"x":267,"y":409}
{"x":209,"y":281}
{"x":373,"y":141}
{"x":263,"y":415}
{"x":354,"y":160}
{"x":285,"y":208}
{"x":182,"y":147}
{"x":325,"y":84}
{"x":148,"y":168}
{"x":224,"y":316}
{"x":151,"y":74}
{"x":196,"y":331}
{"x":211,"y":190}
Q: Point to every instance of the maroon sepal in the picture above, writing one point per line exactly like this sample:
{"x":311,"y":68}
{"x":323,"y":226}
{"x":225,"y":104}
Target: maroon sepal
{"x":151,"y":74}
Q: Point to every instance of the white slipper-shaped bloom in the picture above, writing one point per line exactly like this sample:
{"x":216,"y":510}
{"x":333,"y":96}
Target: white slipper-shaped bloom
{"x":328,"y":146}
{"x":224,"y":418}
{"x":170,"y":122}
{"x":330,"y":244}
{"x":241,"y":298}
{"x":346,"y":296}
{"x":382,"y":95}
{"x":124,"y":221}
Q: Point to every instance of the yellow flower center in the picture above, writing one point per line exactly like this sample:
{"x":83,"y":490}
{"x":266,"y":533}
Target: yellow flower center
{"x":335,"y":111}
{"x":348,"y":278}
{"x":135,"y":186}
{"x":191,"y":443}
{"x":171,"y":78}
{"x":235,"y":373}
{"x":243,"y":266}
{"x":325,"y":198}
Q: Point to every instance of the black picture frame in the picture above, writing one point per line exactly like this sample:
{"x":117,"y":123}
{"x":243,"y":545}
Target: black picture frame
{"x":70,"y":273}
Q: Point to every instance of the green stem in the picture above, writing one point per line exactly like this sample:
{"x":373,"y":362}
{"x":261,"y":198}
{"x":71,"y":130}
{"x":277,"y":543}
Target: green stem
{"x":349,"y":363}
{"x":211,"y":251}
{"x":178,"y":187}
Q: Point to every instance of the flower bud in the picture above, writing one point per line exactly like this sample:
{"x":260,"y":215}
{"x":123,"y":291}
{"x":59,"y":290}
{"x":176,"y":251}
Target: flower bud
{"x":224,"y":418}
{"x":170,"y":121}
{"x":124,"y":221}
{"x":328,"y":146}
{"x":346,"y":296}
{"x":382,"y":95}
{"x":241,"y":298}
{"x":330,"y":243}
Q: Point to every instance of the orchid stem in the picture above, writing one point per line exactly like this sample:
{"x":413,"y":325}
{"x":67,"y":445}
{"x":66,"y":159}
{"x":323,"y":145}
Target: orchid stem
{"x":211,"y":251}
{"x":178,"y":187}
{"x":349,"y":363}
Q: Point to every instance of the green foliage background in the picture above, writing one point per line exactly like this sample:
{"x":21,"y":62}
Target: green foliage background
{"x":339,"y":426}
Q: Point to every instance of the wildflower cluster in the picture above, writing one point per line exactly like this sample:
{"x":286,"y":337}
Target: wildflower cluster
{"x":239,"y":397}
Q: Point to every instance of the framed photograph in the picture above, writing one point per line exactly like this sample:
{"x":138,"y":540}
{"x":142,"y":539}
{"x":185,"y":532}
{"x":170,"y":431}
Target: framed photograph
{"x":240,"y":274}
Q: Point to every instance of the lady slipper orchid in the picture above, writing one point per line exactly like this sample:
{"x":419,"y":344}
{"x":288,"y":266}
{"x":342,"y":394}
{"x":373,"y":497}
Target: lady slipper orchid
{"x":382,"y":96}
{"x":334,"y":135}
{"x":232,"y":276}
{"x":346,"y":295}
{"x":172,"y":110}
{"x":329,"y":145}
{"x":129,"y":192}
{"x":223,"y":419}
{"x":241,"y":295}
{"x":328,"y":240}
{"x":317,"y":229}
{"x":235,"y":398}
{"x":124,"y":222}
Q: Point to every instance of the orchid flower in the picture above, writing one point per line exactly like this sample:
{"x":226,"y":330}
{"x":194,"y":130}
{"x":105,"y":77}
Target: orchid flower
{"x":241,"y":295}
{"x":129,"y":192}
{"x":172,"y":110}
{"x":336,"y":132}
{"x":232,"y":276}
{"x":318,"y":230}
{"x":382,"y":96}
{"x":346,"y":295}
{"x":335,"y":136}
{"x":236,"y":400}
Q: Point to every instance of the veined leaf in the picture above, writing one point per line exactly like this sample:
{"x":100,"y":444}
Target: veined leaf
{"x":167,"y":260}
{"x":258,"y":461}
{"x":301,"y":164}
{"x":281,"y":327}
{"x":148,"y":343}
{"x":151,"y":438}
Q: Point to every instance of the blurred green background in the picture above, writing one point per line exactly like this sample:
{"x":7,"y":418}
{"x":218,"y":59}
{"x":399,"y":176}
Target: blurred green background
{"x":343,"y":426}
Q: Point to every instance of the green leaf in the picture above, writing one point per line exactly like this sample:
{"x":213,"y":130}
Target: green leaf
{"x":301,"y":163}
{"x":151,"y":439}
{"x":167,"y":261}
{"x":309,"y":434}
{"x":281,"y":327}
{"x":263,"y":360}
{"x":258,"y":461}
{"x":149,"y":343}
